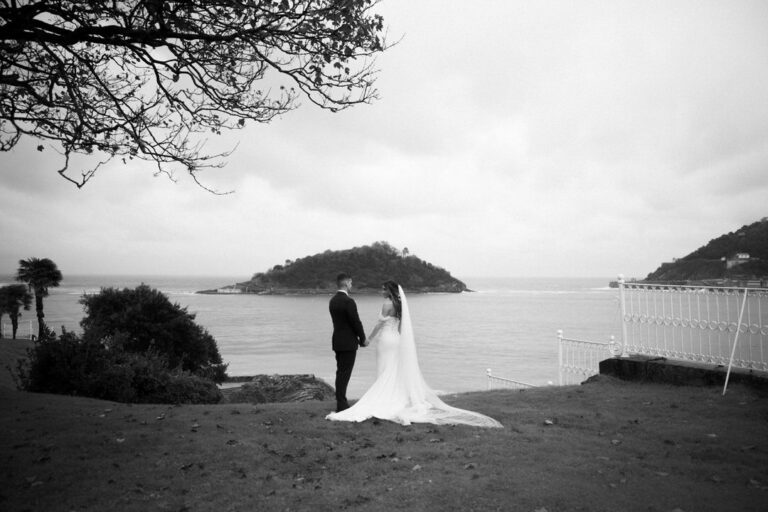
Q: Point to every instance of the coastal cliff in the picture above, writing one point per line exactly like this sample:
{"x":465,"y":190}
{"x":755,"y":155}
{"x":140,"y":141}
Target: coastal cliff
{"x":368,"y":265}
{"x":741,"y":255}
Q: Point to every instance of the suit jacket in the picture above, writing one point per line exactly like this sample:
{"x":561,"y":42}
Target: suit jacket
{"x":348,"y":332}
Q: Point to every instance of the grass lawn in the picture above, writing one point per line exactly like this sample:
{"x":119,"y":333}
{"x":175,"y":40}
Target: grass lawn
{"x":606,"y":445}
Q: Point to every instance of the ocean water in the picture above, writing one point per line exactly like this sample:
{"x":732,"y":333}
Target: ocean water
{"x":507,"y":324}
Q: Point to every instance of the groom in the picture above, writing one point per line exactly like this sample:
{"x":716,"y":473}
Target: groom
{"x":348,"y":334}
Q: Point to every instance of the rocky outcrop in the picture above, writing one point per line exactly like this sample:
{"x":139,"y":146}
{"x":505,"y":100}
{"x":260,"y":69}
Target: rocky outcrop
{"x":262,"y":389}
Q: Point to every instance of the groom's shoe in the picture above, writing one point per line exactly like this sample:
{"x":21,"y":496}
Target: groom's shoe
{"x":341,"y":406}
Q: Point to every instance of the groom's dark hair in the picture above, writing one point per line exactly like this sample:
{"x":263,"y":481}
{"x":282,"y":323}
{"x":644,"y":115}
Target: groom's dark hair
{"x":341,"y":278}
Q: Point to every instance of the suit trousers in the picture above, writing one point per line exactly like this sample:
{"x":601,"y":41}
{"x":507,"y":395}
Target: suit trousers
{"x":345,"y":361}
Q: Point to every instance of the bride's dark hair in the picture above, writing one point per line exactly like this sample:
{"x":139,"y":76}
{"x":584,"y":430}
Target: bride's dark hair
{"x":394,"y":294}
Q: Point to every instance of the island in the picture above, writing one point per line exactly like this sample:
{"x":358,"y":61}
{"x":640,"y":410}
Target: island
{"x":369,"y":266}
{"x":739,"y":258}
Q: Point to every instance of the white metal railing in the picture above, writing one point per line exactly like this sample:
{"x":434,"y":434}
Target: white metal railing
{"x":577,"y":361}
{"x":580,"y":359}
{"x":495,"y":382}
{"x":24,"y":332}
{"x":705,"y":324}
{"x":709,"y":324}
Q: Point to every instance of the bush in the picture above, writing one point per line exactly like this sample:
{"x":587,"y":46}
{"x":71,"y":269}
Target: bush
{"x":143,"y":319}
{"x":70,"y":365}
{"x":185,"y":388}
{"x":64,"y":366}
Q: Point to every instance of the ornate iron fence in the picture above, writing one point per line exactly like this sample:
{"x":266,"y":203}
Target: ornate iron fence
{"x":580,"y":359}
{"x":709,"y":324}
{"x":24,"y":332}
{"x":705,"y":324}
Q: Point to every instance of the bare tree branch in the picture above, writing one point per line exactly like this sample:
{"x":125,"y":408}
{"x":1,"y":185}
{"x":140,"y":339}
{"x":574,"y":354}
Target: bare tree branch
{"x":148,"y":79}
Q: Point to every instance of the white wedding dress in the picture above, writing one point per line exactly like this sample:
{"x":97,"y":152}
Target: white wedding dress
{"x":400,"y":393}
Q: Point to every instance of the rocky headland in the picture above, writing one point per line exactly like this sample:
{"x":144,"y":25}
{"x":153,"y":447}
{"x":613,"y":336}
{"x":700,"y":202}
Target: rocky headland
{"x":739,"y":257}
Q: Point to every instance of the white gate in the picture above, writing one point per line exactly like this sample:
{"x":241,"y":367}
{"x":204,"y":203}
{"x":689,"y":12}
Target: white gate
{"x":580,"y":359}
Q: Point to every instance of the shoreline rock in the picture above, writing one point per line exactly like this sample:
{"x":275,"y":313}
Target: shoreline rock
{"x":262,"y":389}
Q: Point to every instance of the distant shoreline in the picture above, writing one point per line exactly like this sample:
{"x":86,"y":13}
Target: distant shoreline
{"x":304,"y":291}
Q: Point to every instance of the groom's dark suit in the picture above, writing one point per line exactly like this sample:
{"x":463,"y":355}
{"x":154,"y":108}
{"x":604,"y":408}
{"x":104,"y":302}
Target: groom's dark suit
{"x":348,"y":334}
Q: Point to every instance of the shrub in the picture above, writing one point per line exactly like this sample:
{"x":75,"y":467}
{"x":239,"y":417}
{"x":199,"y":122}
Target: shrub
{"x":73,"y":366}
{"x":62,"y":366}
{"x":143,"y":319}
{"x":185,"y":388}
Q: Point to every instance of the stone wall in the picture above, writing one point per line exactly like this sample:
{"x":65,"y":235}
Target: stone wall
{"x":660,"y":369}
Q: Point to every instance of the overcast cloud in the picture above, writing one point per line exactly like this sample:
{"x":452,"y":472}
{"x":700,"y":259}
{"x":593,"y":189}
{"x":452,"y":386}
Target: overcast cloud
{"x":512,"y":138}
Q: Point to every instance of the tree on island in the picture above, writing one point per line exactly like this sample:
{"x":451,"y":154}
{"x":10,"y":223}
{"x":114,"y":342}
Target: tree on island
{"x":147,"y":78}
{"x":14,"y":298}
{"x":39,"y":274}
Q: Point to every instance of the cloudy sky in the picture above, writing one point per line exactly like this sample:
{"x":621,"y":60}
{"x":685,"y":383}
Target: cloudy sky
{"x":512,"y":138}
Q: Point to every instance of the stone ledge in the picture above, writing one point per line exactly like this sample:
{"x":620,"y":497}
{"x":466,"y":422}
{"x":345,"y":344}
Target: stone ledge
{"x":682,"y":373}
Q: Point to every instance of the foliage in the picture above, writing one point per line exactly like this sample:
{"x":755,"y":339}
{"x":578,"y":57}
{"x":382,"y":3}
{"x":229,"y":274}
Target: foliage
{"x":752,"y":239}
{"x":74,"y":366}
{"x":40,"y":274}
{"x":146,"y":79}
{"x":369,"y":266}
{"x":143,"y":320}
{"x":706,"y":261}
{"x":14,"y":298}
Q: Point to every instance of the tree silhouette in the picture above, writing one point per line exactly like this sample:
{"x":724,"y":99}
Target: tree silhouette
{"x":39,"y":274}
{"x":14,"y":298}
{"x":146,"y":78}
{"x":142,"y":320}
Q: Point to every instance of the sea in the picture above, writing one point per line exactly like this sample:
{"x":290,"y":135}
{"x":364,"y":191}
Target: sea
{"x":507,"y":325}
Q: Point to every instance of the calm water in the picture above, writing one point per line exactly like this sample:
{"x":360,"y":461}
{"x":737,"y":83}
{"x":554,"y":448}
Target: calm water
{"x":508,"y":324}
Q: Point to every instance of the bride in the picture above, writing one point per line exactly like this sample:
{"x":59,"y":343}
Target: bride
{"x":400,"y":393}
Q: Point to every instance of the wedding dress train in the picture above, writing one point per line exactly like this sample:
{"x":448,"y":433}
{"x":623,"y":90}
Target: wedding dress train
{"x":400,"y":393}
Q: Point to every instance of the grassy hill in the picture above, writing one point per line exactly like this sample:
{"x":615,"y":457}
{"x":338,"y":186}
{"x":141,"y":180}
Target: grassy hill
{"x":606,"y":445}
{"x":368,"y":265}
{"x":706,"y":262}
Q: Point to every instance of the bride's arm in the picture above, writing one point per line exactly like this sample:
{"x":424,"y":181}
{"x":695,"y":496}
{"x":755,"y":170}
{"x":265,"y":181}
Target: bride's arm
{"x":386,"y":310}
{"x":375,"y":331}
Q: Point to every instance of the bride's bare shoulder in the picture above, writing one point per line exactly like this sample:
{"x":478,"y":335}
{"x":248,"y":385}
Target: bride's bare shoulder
{"x":387,"y":309}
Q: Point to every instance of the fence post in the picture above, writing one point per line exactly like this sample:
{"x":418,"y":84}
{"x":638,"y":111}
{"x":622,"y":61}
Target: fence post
{"x":735,"y":340}
{"x":488,"y":373}
{"x":622,"y":300}
{"x":560,"y":356}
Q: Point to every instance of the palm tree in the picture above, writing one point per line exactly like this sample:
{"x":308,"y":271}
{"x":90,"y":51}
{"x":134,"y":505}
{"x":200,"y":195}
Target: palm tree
{"x":13,"y":298}
{"x":39,"y":274}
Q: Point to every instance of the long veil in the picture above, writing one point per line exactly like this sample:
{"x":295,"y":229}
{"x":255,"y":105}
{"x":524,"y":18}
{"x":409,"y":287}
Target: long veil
{"x":423,"y":404}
